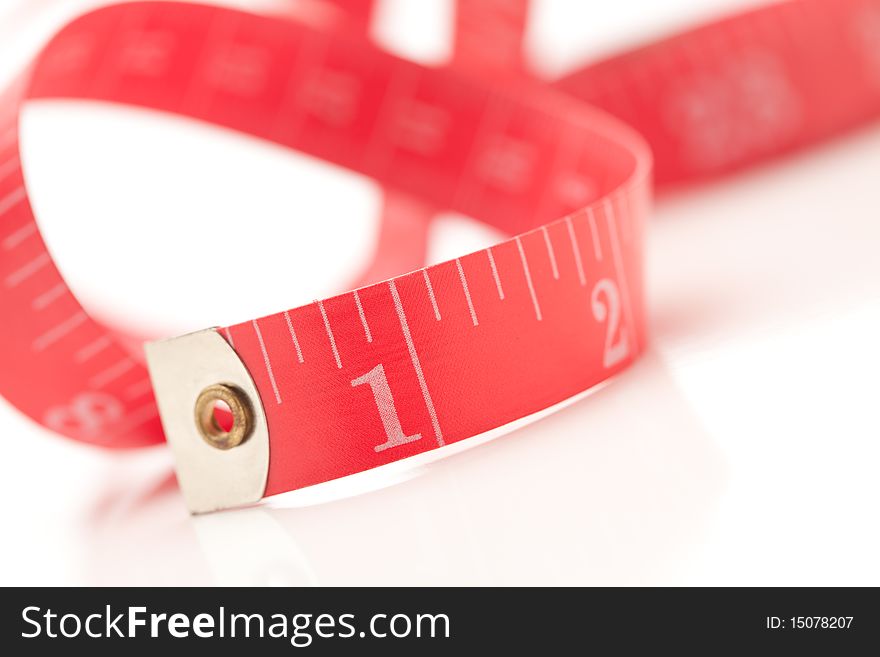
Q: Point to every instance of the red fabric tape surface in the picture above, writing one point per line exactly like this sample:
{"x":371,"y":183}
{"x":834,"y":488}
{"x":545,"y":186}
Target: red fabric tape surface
{"x":455,"y":350}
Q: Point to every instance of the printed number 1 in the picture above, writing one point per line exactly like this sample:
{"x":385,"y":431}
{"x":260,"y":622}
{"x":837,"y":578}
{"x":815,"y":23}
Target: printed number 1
{"x":387,"y":410}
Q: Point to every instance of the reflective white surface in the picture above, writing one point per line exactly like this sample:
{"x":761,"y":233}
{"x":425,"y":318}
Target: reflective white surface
{"x":743,"y":449}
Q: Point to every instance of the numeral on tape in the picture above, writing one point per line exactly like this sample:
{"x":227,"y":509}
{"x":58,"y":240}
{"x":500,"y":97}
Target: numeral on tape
{"x":85,"y":415}
{"x":610,"y":311}
{"x":387,"y":410}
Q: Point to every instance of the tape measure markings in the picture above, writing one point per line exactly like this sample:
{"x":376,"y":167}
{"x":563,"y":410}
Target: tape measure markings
{"x":495,"y":276}
{"x":594,"y":234}
{"x":357,"y":300}
{"x":45,"y":299}
{"x":576,"y":250}
{"x":138,"y":389}
{"x":492,"y":116}
{"x":29,"y":269}
{"x":430,"y":290}
{"x":467,"y":294}
{"x":621,"y":271}
{"x":330,"y":337}
{"x":266,"y":361}
{"x":60,"y":331}
{"x":299,"y":354}
{"x":138,"y":417}
{"x":462,"y":266}
{"x":9,"y":138}
{"x":380,"y":143}
{"x":291,"y":114}
{"x":625,"y":220}
{"x":550,"y":252}
{"x":92,"y":349}
{"x":12,"y":199}
{"x":9,"y":167}
{"x":219,"y":38}
{"x":521,"y":331}
{"x":112,"y":373}
{"x":19,"y":236}
{"x":416,"y":363}
{"x":528,"y":275}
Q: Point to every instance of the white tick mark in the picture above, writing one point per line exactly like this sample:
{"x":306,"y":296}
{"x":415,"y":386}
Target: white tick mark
{"x":550,"y":252}
{"x":11,"y":200}
{"x":357,"y":300}
{"x":577,"y":251}
{"x":495,"y":274}
{"x":330,"y":334}
{"x":414,"y":357}
{"x":138,"y":389}
{"x":19,"y":276}
{"x":525,"y":264}
{"x":299,"y":353}
{"x":467,"y":293}
{"x":594,"y":234}
{"x":58,"y":332}
{"x":112,"y":373}
{"x":92,"y":349}
{"x":9,"y":137}
{"x":19,"y":236}
{"x":9,"y":167}
{"x":50,"y":295}
{"x":621,"y":272}
{"x":266,"y":361}
{"x":431,"y":294}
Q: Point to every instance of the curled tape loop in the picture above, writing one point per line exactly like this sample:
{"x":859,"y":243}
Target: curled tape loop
{"x":441,"y":354}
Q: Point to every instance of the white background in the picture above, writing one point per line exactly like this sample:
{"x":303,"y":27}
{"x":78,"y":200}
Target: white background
{"x":744,"y":449}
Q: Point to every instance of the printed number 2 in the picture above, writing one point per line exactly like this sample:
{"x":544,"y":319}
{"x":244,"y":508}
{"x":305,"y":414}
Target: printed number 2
{"x":387,"y":410}
{"x":614,"y":352}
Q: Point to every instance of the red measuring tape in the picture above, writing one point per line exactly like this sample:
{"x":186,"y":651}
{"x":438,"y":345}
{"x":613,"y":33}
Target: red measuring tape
{"x":441,"y":354}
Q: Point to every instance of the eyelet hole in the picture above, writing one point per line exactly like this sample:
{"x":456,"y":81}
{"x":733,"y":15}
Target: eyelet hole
{"x":223,"y":420}
{"x":223,"y":416}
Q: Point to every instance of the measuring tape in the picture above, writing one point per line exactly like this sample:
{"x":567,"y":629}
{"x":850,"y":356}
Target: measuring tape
{"x":430,"y":358}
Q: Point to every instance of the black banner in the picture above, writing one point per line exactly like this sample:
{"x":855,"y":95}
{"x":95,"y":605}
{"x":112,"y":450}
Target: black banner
{"x":438,"y":621}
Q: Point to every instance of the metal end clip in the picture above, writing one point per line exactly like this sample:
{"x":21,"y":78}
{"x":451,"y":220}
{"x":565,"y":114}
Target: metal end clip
{"x":219,"y":464}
